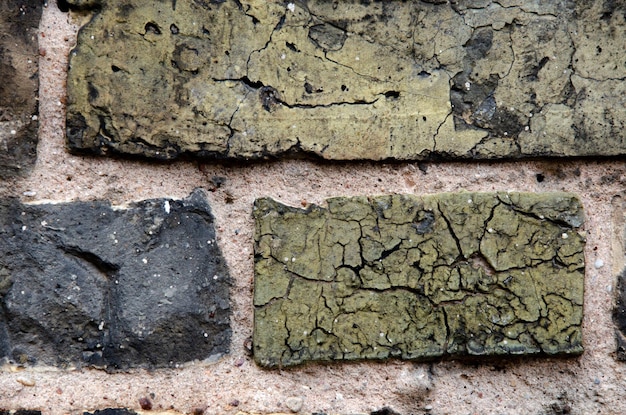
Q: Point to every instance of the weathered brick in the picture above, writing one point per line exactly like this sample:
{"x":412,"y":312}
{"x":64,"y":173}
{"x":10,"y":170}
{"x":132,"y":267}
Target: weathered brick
{"x":418,"y":277}
{"x":619,"y":311}
{"x":84,"y":283}
{"x":349,"y":80}
{"x":19,"y":84}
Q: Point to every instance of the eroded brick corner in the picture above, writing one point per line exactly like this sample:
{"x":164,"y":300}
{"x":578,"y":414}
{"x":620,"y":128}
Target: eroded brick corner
{"x":418,"y":277}
{"x":86,"y":284}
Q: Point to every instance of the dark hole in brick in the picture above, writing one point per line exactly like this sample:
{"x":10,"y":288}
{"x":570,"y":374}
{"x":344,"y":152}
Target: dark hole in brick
{"x":63,"y":6}
{"x":540,"y":177}
{"x":174,"y":29}
{"x":385,"y":410}
{"x":269,"y":97}
{"x":115,"y":68}
{"x":392,"y":94}
{"x":93,"y":92}
{"x":152,"y":27}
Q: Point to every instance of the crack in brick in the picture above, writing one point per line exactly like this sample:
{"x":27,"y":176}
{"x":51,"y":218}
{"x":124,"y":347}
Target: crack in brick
{"x":489,"y":274}
{"x":339,"y":81}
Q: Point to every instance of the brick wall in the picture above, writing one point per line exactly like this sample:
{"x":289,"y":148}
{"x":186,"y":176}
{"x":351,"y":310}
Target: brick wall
{"x":321,"y":207}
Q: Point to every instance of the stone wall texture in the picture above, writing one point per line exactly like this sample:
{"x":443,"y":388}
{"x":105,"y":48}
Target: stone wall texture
{"x":19,"y":56}
{"x":85,"y":284}
{"x":318,"y":207}
{"x":418,"y":277}
{"x":349,"y":80}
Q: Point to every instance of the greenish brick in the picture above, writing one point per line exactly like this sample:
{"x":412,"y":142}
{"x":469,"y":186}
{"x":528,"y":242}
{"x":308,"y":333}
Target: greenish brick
{"x":418,"y":277}
{"x":348,"y":80}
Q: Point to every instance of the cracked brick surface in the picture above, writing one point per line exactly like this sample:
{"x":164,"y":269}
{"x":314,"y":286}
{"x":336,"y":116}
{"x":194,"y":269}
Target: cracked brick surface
{"x":418,"y":277}
{"x":85,"y":284}
{"x":19,"y":57}
{"x":349,"y":80}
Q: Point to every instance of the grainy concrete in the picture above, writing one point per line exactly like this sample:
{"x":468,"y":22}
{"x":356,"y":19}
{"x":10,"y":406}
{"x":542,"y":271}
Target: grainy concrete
{"x":592,"y":383}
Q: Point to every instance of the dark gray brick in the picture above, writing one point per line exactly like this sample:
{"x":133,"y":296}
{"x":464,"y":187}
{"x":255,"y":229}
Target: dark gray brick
{"x":87,"y":284}
{"x":19,"y":85}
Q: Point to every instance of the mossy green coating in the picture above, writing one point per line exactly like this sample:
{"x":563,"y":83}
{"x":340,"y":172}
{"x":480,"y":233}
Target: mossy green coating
{"x":348,"y":80}
{"x":418,"y":277}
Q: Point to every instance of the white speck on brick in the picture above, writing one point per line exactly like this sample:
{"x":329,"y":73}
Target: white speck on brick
{"x":145,"y":260}
{"x":564,"y":235}
{"x":291,"y":7}
{"x":599,"y":263}
{"x":166,"y":207}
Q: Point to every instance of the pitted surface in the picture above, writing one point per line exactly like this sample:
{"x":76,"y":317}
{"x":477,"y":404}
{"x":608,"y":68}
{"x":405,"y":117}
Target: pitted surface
{"x":83,"y":284}
{"x":349,"y":80}
{"x":19,"y":57}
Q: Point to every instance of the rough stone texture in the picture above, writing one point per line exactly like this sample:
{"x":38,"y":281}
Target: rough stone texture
{"x":418,"y":277}
{"x":19,"y":57}
{"x":350,"y":80}
{"x":87,"y":284}
{"x":112,"y":411}
{"x":619,"y":312}
{"x":619,"y":317}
